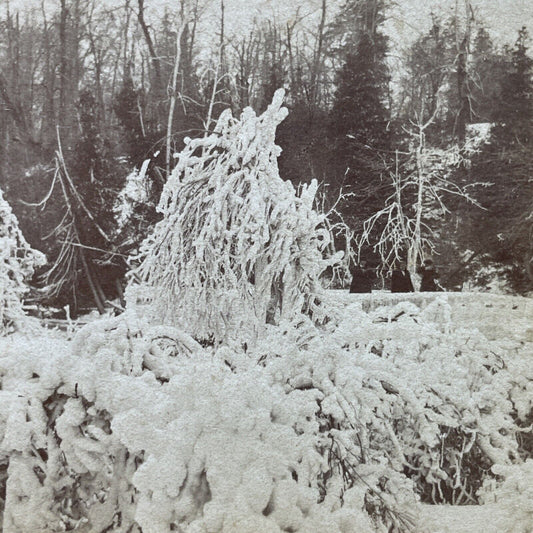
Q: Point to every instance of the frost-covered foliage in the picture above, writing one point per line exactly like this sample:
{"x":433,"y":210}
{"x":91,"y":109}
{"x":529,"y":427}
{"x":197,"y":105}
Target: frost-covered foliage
{"x":339,"y":428}
{"x":237,"y":246}
{"x":145,"y":429}
{"x":135,"y":192}
{"x":17,"y":263}
{"x":407,"y":226}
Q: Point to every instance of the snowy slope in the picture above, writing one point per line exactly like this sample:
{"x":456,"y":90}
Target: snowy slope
{"x":496,"y":316}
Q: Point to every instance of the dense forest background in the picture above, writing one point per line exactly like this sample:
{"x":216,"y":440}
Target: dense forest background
{"x":96,"y":98}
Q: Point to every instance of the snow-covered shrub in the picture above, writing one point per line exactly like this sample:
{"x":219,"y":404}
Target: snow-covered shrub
{"x":339,"y":427}
{"x":237,"y":245}
{"x":95,"y":439}
{"x":65,"y":466}
{"x":446,"y":406}
{"x":17,"y":263}
{"x":136,"y":191}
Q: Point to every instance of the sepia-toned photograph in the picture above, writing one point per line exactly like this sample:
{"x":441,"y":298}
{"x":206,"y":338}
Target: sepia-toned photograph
{"x":266,"y":266}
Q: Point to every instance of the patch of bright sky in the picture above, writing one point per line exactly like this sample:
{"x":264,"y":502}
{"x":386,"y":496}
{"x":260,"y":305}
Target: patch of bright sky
{"x":502,"y":18}
{"x":407,"y":18}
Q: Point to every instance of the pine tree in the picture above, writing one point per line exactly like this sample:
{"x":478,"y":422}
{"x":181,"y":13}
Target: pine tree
{"x":502,"y":233}
{"x":427,"y":74}
{"x":127,"y":106}
{"x":515,"y":110}
{"x":86,"y":183}
{"x":359,"y":119}
{"x":488,"y":69}
{"x":359,"y":110}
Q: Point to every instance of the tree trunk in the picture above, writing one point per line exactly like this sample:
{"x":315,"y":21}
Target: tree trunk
{"x":462,"y":93}
{"x":149,"y":42}
{"x":463,"y":96}
{"x":63,"y":64}
{"x":97,"y":298}
{"x":173,"y":98}
{"x":315,"y":72}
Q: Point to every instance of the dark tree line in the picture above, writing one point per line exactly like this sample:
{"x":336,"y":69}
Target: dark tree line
{"x":88,"y":93}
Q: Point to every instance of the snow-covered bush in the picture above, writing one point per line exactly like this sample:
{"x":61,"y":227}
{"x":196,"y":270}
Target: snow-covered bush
{"x":132,"y":430}
{"x":17,"y":263}
{"x":136,"y":192}
{"x":437,"y":403}
{"x":340,"y":427}
{"x":237,"y":246}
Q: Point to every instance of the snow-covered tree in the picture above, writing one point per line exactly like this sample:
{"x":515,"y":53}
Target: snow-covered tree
{"x":406,"y":225}
{"x":237,"y":246}
{"x":17,"y":263}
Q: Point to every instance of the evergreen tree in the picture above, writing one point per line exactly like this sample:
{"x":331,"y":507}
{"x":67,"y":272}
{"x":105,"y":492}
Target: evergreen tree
{"x":87,"y":181}
{"x":428,"y":67}
{"x":359,"y":110}
{"x":359,"y":119}
{"x":95,"y":171}
{"x":515,"y":110}
{"x":503,"y":232}
{"x":301,"y":137}
{"x":355,"y":18}
{"x":127,"y":105}
{"x":488,"y":69}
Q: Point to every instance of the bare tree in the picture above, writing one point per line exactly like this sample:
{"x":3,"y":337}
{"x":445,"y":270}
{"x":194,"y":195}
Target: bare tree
{"x":155,"y":60}
{"x":405,"y":224}
{"x":316,"y":69}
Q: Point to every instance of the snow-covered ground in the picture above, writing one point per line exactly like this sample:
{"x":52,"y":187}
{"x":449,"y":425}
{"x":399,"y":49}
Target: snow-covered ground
{"x":496,"y":316}
{"x":490,"y":518}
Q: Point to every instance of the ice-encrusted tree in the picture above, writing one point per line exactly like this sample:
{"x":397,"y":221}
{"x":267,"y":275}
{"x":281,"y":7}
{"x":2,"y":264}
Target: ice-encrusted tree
{"x":237,"y":245}
{"x":405,"y":227}
{"x":17,"y":263}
